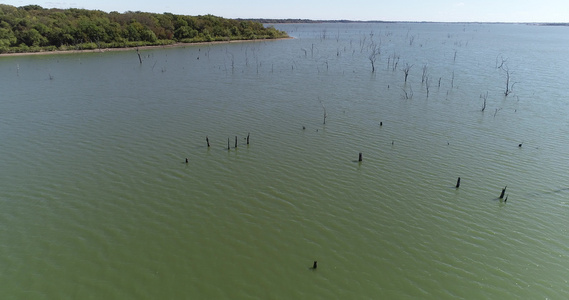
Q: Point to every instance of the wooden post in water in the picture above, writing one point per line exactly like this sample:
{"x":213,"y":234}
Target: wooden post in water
{"x":207,"y":140}
{"x":248,"y":138}
{"x":458,"y":183}
{"x":235,"y":141}
{"x":315,"y":265}
{"x":503,"y":191}
{"x":360,"y":157}
{"x":228,"y":144}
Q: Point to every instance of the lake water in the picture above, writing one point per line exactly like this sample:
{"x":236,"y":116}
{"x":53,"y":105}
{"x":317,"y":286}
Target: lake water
{"x":97,"y":202}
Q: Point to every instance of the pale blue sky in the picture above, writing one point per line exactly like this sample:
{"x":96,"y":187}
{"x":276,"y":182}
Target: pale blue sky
{"x":387,"y":10}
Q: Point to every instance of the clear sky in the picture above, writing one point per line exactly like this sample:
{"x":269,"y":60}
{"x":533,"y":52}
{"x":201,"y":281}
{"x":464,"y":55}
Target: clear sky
{"x":363,"y":10}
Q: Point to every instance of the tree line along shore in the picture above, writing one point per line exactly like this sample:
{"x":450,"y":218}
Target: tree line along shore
{"x":32,"y":28}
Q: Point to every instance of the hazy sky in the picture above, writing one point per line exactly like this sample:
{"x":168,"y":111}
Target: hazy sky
{"x":386,"y":10}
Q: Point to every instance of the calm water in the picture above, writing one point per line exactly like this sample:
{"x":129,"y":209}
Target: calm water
{"x":96,"y":201}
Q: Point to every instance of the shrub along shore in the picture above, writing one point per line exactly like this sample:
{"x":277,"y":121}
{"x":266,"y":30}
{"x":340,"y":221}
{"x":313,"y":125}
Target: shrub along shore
{"x":33,"y":29}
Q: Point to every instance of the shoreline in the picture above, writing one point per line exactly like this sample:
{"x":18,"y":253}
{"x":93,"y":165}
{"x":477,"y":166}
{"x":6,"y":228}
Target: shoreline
{"x":103,"y":50}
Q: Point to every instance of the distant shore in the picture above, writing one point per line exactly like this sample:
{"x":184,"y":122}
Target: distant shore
{"x":175,"y":45}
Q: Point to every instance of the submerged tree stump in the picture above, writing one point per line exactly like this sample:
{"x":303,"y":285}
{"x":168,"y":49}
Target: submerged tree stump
{"x":360,"y":158}
{"x":248,"y":138}
{"x":207,"y":140}
{"x":458,"y":183}
{"x":503,"y":191}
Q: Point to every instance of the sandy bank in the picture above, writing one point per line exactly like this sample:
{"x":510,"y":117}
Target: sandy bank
{"x":134,"y":48}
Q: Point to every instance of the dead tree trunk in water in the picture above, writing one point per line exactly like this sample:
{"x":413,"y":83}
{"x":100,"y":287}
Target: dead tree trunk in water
{"x":139,"y":58}
{"x":509,"y":87}
{"x":504,"y":67}
{"x":484,"y":96}
{"x":427,"y":86}
{"x":324,"y":108}
{"x":424,"y":76}
{"x":503,"y":191}
{"x":375,"y":51}
{"x":406,"y":71}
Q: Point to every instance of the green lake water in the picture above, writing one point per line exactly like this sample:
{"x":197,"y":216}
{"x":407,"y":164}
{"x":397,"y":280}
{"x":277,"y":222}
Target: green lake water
{"x":97,"y":202}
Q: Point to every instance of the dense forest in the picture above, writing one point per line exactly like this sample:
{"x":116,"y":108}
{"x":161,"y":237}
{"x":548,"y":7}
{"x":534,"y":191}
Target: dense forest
{"x":33,"y":28}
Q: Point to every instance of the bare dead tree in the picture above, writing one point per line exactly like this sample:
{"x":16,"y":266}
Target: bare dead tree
{"x":232,"y":62}
{"x":502,"y":64}
{"x":406,"y":70}
{"x":407,"y":95}
{"x":375,"y":51}
{"x":411,"y":40}
{"x":497,"y":110}
{"x":324,"y":108}
{"x":502,"y":61}
{"x":509,"y":87}
{"x":424,"y":76}
{"x":362,"y":43}
{"x":395,"y":61}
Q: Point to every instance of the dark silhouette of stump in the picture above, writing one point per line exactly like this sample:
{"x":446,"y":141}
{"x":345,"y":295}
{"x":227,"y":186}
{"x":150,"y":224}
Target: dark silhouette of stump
{"x":248,"y":138}
{"x":228,"y":148}
{"x":458,"y":183}
{"x":207,"y":140}
{"x":235,"y":141}
{"x":314,"y":265}
{"x":186,"y":160}
{"x":503,"y":191}
{"x":360,"y":158}
{"x":139,"y":58}
{"x":380,"y":123}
